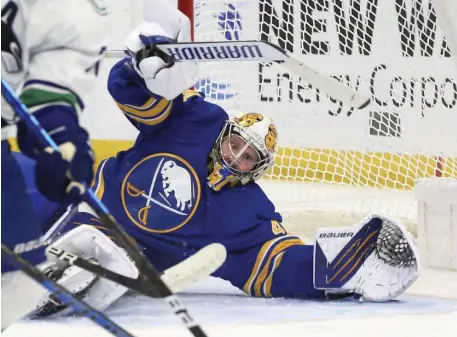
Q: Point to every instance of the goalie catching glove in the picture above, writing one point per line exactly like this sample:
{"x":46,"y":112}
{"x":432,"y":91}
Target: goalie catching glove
{"x":376,"y":259}
{"x":161,"y":78}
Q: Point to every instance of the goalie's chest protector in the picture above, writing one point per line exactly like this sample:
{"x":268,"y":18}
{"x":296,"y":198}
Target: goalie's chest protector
{"x":158,"y":189}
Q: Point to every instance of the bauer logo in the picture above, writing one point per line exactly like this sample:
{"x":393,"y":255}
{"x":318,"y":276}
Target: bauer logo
{"x":335,"y":235}
{"x":230,"y":25}
{"x":29,"y":246}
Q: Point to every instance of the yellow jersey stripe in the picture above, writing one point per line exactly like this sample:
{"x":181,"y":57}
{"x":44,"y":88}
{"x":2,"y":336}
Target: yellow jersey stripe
{"x":280,"y":247}
{"x":259,"y":260}
{"x":99,"y":182}
{"x":155,"y":110}
{"x":269,"y":281}
{"x":149,"y":103}
{"x":154,"y":120}
{"x":94,"y":183}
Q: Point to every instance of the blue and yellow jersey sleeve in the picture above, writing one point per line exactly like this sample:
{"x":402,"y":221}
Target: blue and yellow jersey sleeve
{"x":142,"y":108}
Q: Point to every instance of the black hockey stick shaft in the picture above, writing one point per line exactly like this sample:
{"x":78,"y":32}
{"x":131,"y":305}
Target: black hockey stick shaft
{"x":139,"y":285}
{"x":146,"y":269}
{"x":150,"y":275}
{"x":62,"y":294}
{"x":58,"y":220}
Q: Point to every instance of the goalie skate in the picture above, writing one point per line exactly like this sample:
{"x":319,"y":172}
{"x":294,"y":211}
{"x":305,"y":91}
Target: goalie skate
{"x":74,"y":279}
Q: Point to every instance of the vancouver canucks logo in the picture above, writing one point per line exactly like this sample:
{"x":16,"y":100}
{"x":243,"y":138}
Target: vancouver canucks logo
{"x":161,"y":193}
{"x":11,"y":48}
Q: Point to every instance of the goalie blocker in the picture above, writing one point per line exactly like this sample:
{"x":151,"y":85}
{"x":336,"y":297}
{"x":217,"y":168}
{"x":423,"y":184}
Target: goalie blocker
{"x":259,"y":51}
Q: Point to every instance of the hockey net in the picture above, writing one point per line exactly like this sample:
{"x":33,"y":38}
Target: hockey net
{"x":335,"y":165}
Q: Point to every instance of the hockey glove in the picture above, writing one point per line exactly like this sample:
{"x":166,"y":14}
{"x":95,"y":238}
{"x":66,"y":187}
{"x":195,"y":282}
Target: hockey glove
{"x":376,"y":259}
{"x":59,"y":175}
{"x":160,"y":76}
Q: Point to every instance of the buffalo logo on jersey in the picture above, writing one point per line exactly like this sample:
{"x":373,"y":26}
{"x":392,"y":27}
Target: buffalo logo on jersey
{"x":248,"y":119}
{"x":11,"y":48}
{"x":161,"y":193}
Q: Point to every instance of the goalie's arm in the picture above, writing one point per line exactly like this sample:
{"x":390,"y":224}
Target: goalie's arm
{"x":141,"y":107}
{"x":148,"y":90}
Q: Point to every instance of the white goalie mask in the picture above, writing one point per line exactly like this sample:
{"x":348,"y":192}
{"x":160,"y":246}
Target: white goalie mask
{"x":244,"y":151}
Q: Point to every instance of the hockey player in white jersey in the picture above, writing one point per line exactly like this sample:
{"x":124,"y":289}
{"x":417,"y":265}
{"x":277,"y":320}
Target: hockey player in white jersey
{"x":51,"y":50}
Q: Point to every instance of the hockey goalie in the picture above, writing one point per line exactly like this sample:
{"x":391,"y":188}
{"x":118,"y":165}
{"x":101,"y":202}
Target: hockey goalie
{"x":191,"y":178}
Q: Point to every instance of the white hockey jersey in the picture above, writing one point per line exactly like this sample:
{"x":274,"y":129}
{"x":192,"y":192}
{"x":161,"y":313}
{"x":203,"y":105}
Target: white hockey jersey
{"x":51,"y":51}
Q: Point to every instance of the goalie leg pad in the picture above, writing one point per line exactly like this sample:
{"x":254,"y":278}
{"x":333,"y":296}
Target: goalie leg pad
{"x":376,"y":258}
{"x":91,"y":244}
{"x":76,"y":280}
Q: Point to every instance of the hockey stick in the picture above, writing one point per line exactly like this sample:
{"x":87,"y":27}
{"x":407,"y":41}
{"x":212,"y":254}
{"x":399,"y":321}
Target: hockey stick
{"x":63,"y":295}
{"x":58,"y":220}
{"x":200,"y":265}
{"x":260,"y":51}
{"x":145,"y":268}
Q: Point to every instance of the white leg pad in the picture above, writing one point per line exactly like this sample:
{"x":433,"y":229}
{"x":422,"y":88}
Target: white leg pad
{"x":89,"y":242}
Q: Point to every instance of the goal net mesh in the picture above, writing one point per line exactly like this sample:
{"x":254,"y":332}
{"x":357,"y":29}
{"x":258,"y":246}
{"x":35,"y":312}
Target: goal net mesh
{"x":335,"y":164}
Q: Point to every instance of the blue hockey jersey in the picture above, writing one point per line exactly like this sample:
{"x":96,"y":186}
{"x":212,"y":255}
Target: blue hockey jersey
{"x":158,"y":191}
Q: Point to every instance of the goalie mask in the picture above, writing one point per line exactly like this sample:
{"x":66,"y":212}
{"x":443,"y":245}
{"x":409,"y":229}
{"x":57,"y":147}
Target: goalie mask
{"x":243,"y":152}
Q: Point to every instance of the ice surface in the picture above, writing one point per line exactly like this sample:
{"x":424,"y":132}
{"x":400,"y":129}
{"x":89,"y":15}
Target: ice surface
{"x":429,"y":308}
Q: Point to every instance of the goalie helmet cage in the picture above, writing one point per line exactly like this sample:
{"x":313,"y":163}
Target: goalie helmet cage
{"x":335,"y":165}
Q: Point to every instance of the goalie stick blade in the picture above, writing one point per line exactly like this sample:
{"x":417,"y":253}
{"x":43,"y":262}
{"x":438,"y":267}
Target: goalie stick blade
{"x":332,"y":87}
{"x":227,"y":51}
{"x":195,"y":268}
{"x":260,"y":51}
